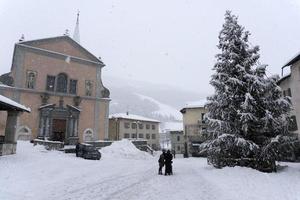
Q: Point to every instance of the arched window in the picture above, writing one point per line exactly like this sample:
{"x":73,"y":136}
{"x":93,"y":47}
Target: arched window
{"x":88,"y":135}
{"x":62,"y":83}
{"x":23,"y":133}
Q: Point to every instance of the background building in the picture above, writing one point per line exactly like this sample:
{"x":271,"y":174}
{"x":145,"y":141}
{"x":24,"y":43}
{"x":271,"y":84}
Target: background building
{"x":290,"y":87}
{"x":194,"y":124}
{"x":129,"y":126}
{"x":177,"y":141}
{"x":8,"y":141}
{"x":61,"y":82}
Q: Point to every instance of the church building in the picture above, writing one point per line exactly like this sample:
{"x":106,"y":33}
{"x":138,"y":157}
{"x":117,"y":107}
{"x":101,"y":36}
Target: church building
{"x":61,"y":82}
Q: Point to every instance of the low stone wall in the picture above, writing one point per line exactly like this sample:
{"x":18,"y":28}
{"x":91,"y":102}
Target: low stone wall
{"x":8,"y":148}
{"x":72,"y":140}
{"x":100,"y":144}
{"x":49,"y":145}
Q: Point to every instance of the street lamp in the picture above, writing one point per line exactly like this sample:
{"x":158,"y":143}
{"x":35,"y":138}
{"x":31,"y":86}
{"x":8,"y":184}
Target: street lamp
{"x":136,"y":128}
{"x":186,"y":154}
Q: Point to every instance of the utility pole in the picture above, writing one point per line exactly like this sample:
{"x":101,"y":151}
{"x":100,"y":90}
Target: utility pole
{"x":186,"y":154}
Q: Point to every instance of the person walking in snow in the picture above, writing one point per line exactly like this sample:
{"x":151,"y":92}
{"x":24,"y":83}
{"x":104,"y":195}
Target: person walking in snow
{"x":174,"y":153}
{"x":168,"y":163}
{"x":161,"y":162}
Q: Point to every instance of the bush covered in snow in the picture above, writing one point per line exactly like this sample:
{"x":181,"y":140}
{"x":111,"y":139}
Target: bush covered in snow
{"x":282,"y":148}
{"x":230,"y":150}
{"x":233,"y":146}
{"x":227,"y":148}
{"x":203,"y":149}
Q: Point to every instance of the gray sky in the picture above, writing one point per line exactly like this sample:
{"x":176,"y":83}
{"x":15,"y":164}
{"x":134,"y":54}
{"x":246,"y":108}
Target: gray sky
{"x":169,"y":42}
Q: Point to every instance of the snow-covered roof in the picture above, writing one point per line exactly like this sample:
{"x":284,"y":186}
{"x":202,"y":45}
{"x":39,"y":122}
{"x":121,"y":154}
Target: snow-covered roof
{"x":132,"y":117}
{"x":283,"y":78}
{"x":195,"y":104}
{"x":292,"y":60}
{"x":15,"y":105}
{"x":74,"y":107}
{"x":46,"y":105}
{"x":3,"y":85}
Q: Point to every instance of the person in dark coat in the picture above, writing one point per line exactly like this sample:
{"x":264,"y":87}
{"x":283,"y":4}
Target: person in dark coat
{"x":161,"y":162}
{"x":174,"y":153}
{"x":168,"y":163}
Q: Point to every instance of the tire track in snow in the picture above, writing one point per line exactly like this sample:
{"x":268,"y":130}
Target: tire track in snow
{"x":104,"y":188}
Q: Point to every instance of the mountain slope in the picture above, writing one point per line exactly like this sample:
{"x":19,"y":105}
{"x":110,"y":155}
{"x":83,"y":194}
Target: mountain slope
{"x":160,"y":102}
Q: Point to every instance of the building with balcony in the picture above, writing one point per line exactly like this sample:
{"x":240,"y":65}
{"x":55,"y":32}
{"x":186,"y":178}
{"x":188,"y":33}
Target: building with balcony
{"x":134,"y":127}
{"x":289,"y":84}
{"x":194,"y":124}
{"x":177,"y":141}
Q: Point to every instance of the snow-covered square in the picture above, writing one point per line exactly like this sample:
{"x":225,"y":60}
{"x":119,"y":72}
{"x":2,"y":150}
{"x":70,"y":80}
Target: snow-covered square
{"x":127,"y":173}
{"x":98,"y":97}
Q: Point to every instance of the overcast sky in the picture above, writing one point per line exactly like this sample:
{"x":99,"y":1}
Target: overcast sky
{"x":170,"y":42}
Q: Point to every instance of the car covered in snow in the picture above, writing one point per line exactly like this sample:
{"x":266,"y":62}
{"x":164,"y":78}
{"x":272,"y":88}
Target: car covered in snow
{"x":87,"y":151}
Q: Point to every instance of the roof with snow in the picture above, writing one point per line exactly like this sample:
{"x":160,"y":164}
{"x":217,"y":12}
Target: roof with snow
{"x":9,"y":104}
{"x":293,"y":60}
{"x":132,"y":117}
{"x":195,"y":104}
{"x":283,"y":78}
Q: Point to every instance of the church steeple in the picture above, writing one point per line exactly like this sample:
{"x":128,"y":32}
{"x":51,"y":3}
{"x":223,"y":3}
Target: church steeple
{"x":76,"y":35}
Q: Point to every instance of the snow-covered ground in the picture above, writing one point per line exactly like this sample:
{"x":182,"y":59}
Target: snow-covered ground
{"x":125,"y":173}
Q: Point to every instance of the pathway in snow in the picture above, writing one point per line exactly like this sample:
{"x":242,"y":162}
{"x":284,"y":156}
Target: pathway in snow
{"x":34,"y":173}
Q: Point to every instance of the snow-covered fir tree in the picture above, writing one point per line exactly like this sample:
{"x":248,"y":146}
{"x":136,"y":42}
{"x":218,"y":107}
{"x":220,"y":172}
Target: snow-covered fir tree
{"x":264,"y":112}
{"x":246,"y":102}
{"x":247,"y":108}
{"x":230,"y":79}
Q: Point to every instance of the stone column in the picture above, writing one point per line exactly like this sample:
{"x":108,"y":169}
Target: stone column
{"x":76,"y":128}
{"x":71,"y":128}
{"x":41,"y":131}
{"x":47,"y":135}
{"x":106,"y":121}
{"x":96,"y":120}
{"x":11,"y":127}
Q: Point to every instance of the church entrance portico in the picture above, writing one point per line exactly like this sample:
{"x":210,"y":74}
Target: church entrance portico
{"x":59,"y":129}
{"x":59,"y":123}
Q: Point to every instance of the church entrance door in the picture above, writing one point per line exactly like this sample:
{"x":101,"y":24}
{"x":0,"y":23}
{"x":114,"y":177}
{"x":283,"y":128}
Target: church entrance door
{"x":59,"y":129}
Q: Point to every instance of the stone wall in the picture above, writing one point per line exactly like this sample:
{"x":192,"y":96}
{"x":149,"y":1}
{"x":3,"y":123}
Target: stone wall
{"x":49,"y":145}
{"x":8,"y":148}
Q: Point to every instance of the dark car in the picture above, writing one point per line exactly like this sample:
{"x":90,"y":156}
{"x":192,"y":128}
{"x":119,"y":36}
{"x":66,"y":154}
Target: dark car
{"x":87,"y":151}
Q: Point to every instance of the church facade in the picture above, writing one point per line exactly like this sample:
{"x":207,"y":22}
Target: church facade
{"x":61,"y":82}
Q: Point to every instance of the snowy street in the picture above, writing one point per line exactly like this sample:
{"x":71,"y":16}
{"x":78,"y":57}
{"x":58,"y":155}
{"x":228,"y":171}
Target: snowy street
{"x":34,"y":173}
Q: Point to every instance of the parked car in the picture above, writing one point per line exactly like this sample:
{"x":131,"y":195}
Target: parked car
{"x":87,"y":151}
